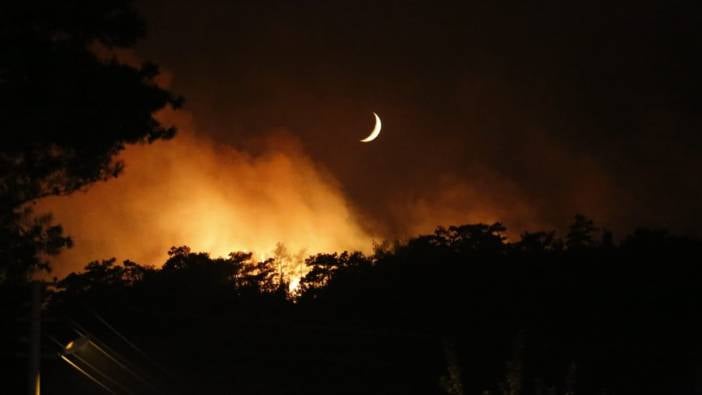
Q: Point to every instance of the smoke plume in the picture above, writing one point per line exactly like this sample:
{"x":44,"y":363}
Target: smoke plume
{"x":214,"y":198}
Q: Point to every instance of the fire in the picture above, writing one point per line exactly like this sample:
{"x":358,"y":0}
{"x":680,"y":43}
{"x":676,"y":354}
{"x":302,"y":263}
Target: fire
{"x":213,"y":198}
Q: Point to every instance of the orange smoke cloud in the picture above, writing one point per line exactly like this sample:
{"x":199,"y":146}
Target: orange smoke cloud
{"x":486,"y":199}
{"x":213,"y":198}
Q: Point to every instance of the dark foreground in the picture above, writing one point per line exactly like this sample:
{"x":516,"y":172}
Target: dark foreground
{"x":459,"y":311}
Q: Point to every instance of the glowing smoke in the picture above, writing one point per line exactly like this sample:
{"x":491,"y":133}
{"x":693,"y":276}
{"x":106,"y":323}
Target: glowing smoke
{"x":213,"y":198}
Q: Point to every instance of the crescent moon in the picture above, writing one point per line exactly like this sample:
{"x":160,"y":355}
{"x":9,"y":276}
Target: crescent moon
{"x":376,"y":130}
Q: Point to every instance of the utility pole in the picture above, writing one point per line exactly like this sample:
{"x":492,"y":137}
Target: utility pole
{"x":35,"y":339}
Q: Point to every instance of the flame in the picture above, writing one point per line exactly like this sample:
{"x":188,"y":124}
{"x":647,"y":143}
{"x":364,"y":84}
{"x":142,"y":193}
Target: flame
{"x":213,"y":198}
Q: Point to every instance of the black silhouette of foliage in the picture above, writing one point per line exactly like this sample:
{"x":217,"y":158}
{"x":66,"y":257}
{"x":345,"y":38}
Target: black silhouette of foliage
{"x":467,"y":239}
{"x":618,"y":311}
{"x":325,"y":267}
{"x":581,"y":233}
{"x":26,"y":241}
{"x":255,"y":275}
{"x":189,"y":275}
{"x":538,"y":243}
{"x":65,"y":112}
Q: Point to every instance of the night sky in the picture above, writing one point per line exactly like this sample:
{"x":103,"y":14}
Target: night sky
{"x":576,"y":107}
{"x":515,"y":112}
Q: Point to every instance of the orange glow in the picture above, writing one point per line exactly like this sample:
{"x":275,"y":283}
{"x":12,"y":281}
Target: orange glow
{"x":457,"y":202}
{"x":294,"y":284}
{"x":213,"y":198}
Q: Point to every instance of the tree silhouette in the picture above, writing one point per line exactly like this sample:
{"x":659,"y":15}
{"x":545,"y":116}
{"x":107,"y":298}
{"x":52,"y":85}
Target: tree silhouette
{"x":622,"y":311}
{"x":473,"y":238}
{"x":65,"y":112}
{"x":581,"y":233}
{"x":324,"y":268}
{"x":26,"y":241}
{"x":538,"y":243}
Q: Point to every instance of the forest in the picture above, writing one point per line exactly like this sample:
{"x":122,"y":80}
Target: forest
{"x":458,"y":311}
